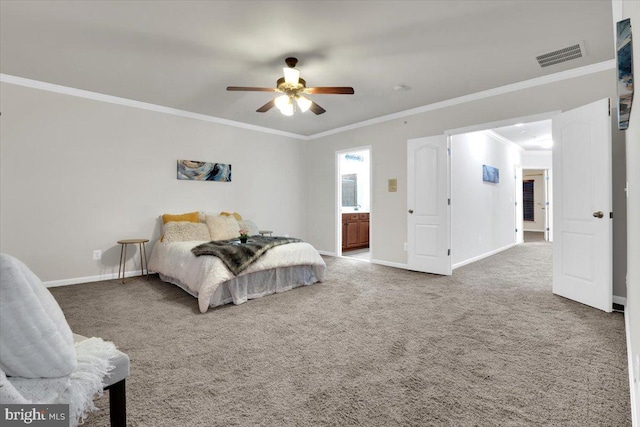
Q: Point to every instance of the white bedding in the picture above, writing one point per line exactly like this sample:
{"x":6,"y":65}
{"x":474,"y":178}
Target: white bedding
{"x":203,"y":275}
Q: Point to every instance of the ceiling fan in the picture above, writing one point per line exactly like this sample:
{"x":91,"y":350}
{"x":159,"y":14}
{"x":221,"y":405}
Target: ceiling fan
{"x":293,"y":89}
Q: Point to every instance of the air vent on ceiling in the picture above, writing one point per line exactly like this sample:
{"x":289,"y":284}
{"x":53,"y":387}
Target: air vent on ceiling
{"x":561,"y":55}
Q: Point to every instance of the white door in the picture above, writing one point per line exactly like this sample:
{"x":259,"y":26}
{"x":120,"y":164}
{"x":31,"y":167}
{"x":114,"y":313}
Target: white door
{"x":582,"y":203}
{"x":518,"y":205}
{"x":547,"y":205}
{"x":428,"y":210}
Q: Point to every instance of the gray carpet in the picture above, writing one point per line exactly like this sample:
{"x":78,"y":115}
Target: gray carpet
{"x":372,"y":346}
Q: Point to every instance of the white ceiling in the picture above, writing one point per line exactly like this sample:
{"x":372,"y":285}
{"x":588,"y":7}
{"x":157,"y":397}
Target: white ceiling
{"x":183,"y":54}
{"x":534,"y":136}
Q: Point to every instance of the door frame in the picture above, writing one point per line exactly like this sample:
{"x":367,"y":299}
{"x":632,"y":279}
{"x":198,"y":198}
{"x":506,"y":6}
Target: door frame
{"x":338,"y":198}
{"x":548,"y":206}
{"x":519,"y":205}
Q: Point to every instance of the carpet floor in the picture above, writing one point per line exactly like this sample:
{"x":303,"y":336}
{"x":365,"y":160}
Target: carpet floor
{"x":371,"y":346}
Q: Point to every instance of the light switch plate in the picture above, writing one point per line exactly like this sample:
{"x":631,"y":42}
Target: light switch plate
{"x":393,"y":185}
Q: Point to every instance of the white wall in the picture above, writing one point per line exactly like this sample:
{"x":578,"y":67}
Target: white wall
{"x":78,"y":175}
{"x":389,"y":155}
{"x":537,"y":176}
{"x":482,"y":213}
{"x":536,"y":160}
{"x":631,"y":9}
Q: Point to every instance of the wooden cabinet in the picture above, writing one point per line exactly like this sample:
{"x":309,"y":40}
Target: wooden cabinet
{"x":355,"y":231}
{"x":363,"y":232}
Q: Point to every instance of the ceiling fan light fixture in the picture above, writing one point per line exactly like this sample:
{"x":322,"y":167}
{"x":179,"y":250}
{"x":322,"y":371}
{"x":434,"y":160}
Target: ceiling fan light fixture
{"x":284,"y":104}
{"x":291,"y":76}
{"x":291,"y":87}
{"x":303,"y":102}
{"x":282,"y":101}
{"x":287,"y":110}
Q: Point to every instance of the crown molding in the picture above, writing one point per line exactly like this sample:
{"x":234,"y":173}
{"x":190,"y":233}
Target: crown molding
{"x":526,"y":84}
{"x":538,"y":81}
{"x":50,"y":87}
{"x":499,"y":138}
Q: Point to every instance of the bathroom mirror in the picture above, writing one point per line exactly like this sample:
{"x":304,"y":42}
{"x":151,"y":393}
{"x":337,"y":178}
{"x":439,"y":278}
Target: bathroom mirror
{"x":350,"y":190}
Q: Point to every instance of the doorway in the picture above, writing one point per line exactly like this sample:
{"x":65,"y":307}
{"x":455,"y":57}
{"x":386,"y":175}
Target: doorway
{"x":582,"y":244}
{"x":480,"y":207}
{"x":536,"y":205}
{"x":353,"y":189}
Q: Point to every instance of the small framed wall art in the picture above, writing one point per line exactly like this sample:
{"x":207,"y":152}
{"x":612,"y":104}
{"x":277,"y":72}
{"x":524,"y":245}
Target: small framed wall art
{"x":203,"y":171}
{"x":490,"y":174}
{"x":625,"y":72}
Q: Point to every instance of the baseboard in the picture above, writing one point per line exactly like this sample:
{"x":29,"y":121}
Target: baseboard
{"x":327,"y":253}
{"x":479,"y":257}
{"x":389,"y":264}
{"x":89,"y":279}
{"x":635,"y":416}
{"x":619,"y":300}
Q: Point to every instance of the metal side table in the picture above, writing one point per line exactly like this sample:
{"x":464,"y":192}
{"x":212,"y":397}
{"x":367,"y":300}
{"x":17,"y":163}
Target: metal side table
{"x":123,"y":255}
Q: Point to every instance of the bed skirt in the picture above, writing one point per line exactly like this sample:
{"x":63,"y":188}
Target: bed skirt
{"x":258,"y":284}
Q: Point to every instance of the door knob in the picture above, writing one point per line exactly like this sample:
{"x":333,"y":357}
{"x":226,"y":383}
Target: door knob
{"x":598,"y":214}
{"x":410,"y":211}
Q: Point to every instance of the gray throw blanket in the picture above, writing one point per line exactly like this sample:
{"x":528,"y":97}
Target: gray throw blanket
{"x":238,"y":256}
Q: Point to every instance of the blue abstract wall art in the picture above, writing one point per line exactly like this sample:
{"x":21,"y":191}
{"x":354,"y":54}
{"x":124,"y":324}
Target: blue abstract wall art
{"x":490,"y":174}
{"x":203,"y":171}
{"x":625,"y":72}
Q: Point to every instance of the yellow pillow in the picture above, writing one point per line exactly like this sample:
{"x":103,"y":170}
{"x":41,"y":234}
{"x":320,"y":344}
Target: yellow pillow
{"x":236,"y":215}
{"x":189,"y":217}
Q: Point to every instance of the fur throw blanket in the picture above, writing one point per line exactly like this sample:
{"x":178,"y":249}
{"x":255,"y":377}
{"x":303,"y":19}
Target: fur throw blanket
{"x":238,"y":256}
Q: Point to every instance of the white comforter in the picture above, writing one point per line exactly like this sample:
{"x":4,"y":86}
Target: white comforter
{"x":203,"y":274}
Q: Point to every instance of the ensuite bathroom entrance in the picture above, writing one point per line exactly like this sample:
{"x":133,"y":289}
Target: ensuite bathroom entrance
{"x":354,"y":191}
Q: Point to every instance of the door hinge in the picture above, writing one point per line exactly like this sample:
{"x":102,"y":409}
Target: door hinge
{"x":448,"y":252}
{"x":516,"y":230}
{"x":609,"y":107}
{"x":449,"y":202}
{"x":449,"y":151}
{"x":548,"y":229}
{"x":516,"y":203}
{"x":546,"y":203}
{"x":611,"y":215}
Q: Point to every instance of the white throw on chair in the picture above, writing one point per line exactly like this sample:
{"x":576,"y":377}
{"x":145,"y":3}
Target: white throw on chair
{"x":42,"y":361}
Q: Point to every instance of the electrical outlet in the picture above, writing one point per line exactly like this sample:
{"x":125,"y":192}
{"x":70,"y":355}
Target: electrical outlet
{"x":97,"y":255}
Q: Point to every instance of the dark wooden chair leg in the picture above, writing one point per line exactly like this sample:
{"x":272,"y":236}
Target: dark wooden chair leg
{"x":117,"y":404}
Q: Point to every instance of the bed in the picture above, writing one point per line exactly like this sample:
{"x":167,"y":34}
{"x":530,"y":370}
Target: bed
{"x":207,"y":278}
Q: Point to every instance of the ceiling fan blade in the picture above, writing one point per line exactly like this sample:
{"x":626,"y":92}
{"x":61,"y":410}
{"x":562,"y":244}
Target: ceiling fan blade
{"x":250,"y":89}
{"x":330,"y":90}
{"x":316,"y":109}
{"x":266,"y":107}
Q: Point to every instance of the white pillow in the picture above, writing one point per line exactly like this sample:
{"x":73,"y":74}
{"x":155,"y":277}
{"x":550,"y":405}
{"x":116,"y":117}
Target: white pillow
{"x":247,"y":224}
{"x":223,"y":227}
{"x":35,"y":339}
{"x":183,"y":231}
